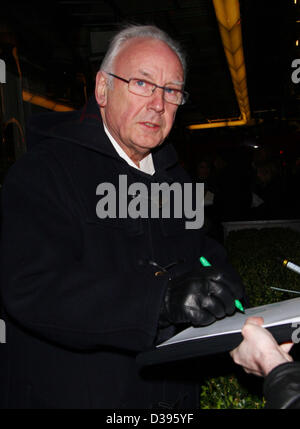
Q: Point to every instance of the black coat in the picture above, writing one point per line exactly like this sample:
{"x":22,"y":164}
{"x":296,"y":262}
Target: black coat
{"x":282,"y":386}
{"x":80,"y":298}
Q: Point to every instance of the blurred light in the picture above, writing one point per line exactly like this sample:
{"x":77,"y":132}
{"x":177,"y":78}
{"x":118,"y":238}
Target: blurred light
{"x":217,"y":124}
{"x":251,"y":142}
{"x":42,"y":101}
{"x":229,"y":22}
{"x":297,"y":42}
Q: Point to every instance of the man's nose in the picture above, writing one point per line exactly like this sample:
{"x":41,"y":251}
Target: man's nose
{"x":157,"y":101}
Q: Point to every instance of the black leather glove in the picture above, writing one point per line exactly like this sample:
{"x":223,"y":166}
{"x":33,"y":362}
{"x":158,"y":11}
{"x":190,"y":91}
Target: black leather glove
{"x":200,"y":297}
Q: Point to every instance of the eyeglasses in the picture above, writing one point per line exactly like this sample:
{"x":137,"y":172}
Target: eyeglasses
{"x":146,"y":89}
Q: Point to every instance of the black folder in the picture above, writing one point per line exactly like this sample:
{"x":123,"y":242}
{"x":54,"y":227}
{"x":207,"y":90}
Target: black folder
{"x":282,"y":319}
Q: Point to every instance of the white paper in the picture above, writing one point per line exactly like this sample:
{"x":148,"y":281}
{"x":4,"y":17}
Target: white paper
{"x":279,"y":313}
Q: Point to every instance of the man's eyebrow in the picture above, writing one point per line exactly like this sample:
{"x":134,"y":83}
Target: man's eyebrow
{"x":149,"y":76}
{"x":146,"y":74}
{"x":176,"y":82}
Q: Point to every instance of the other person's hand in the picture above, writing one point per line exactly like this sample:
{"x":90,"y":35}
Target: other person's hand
{"x":259,"y":352}
{"x":200,"y":297}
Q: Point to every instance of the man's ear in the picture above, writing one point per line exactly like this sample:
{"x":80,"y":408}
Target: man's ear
{"x":101,"y":89}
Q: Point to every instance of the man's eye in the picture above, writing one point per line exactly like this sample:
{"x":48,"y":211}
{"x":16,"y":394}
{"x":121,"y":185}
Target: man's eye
{"x":170,"y":90}
{"x":140,"y":83}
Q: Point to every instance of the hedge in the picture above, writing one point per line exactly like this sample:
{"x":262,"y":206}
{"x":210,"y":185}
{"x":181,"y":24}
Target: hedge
{"x":253,"y":253}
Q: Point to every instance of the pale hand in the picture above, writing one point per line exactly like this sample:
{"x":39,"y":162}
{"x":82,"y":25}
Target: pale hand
{"x":259,"y":352}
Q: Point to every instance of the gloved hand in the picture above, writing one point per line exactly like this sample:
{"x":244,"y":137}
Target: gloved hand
{"x":200,"y":297}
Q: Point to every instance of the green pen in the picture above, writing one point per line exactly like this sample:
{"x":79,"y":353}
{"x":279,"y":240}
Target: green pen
{"x":237,"y":303}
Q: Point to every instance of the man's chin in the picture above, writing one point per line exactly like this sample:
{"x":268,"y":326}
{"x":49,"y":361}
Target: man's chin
{"x":146,"y":143}
{"x":146,"y":151}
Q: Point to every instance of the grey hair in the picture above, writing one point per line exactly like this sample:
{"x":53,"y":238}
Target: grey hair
{"x":138,"y":31}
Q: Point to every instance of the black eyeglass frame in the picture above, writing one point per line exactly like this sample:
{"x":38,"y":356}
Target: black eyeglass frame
{"x":185,"y":94}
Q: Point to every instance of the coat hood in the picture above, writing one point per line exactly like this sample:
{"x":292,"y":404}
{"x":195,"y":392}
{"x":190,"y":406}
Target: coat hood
{"x":84,"y":127}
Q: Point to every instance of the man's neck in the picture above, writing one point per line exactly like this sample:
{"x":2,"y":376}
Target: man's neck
{"x":140,"y":161}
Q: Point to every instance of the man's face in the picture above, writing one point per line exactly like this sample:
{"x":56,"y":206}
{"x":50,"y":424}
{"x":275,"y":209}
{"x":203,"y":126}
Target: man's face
{"x":139,"y":123}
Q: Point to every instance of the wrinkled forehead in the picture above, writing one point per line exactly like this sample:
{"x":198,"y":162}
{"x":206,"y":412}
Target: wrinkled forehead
{"x":151,"y":56}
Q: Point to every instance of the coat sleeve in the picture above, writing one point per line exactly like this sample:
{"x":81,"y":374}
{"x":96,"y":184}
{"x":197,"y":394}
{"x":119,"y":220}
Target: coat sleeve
{"x":282,"y":386}
{"x":46,"y":287}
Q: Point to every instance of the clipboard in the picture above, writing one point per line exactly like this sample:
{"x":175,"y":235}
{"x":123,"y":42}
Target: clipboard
{"x":280,"y":318}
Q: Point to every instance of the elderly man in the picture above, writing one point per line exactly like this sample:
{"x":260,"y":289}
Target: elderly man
{"x":84,"y":290}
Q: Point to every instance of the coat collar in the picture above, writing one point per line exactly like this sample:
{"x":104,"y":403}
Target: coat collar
{"x":85,"y":128}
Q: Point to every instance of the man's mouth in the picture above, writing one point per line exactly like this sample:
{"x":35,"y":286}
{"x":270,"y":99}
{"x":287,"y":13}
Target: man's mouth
{"x":150,"y":124}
